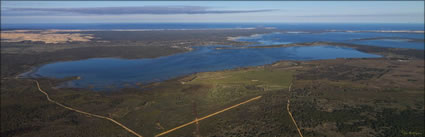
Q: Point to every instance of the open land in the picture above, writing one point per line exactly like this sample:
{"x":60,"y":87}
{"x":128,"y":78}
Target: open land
{"x":338,"y":97}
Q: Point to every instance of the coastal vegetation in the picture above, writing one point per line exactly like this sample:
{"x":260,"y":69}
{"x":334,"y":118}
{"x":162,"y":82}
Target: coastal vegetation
{"x":336,"y":97}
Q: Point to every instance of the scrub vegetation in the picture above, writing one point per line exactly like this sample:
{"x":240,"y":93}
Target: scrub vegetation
{"x":381,"y":97}
{"x":329,"y":98}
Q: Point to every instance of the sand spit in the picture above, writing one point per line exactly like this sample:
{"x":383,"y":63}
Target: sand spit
{"x":46,"y":36}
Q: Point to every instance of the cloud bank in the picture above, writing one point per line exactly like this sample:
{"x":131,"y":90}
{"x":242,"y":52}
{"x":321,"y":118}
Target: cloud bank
{"x":126,"y":10}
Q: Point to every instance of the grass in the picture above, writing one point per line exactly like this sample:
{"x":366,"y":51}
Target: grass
{"x":319,"y":98}
{"x":233,"y":85}
{"x":248,"y":79}
{"x":172,"y":103}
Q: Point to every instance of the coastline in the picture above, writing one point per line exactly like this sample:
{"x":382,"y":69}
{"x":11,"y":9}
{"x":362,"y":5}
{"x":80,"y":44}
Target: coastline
{"x":384,"y":52}
{"x":239,"y":68}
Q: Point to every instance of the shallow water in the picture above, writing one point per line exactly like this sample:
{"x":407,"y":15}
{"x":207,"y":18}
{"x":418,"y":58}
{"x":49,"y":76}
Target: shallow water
{"x":110,"y":73}
{"x":283,"y":26}
{"x":345,"y":37}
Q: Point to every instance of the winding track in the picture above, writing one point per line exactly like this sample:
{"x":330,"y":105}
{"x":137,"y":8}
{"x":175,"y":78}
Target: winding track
{"x":171,"y":130}
{"x":86,"y":113}
{"x":290,"y":114}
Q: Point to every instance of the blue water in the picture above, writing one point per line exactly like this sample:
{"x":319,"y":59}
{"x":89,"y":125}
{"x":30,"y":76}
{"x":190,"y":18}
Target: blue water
{"x":344,"y":37}
{"x":114,"y":73}
{"x":106,"y":73}
{"x":283,"y":26}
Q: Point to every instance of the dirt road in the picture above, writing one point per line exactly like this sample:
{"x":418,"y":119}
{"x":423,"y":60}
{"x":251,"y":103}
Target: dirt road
{"x":205,"y":117}
{"x":290,"y":114}
{"x":85,"y":113}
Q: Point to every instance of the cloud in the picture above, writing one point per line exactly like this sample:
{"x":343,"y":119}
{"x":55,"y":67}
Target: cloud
{"x":124,"y":10}
{"x":362,"y":15}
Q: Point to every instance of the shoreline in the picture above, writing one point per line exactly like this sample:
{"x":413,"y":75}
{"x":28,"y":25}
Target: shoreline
{"x":178,"y":78}
{"x":181,"y":79}
{"x":83,"y":30}
{"x":384,"y":52}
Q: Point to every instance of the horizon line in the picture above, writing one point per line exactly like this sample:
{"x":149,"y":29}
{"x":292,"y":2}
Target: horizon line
{"x":222,"y":23}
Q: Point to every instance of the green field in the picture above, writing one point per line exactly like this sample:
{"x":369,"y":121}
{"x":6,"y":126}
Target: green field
{"x":328,"y":98}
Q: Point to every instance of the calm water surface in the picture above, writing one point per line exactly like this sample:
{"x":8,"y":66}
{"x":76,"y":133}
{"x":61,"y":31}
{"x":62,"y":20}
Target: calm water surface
{"x":105,"y":73}
{"x":284,"y":26}
{"x":113,"y":73}
{"x":345,"y":37}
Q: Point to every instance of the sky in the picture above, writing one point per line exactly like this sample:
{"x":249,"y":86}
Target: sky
{"x":19,"y":12}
